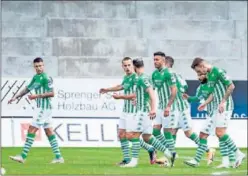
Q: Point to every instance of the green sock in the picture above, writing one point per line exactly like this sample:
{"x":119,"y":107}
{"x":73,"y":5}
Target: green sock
{"x":135,"y":147}
{"x":170,"y":141}
{"x":55,"y":147}
{"x":223,"y":146}
{"x":28,"y":144}
{"x":146,"y":146}
{"x":202,"y":147}
{"x":156,"y":144}
{"x":125,"y":149}
{"x":231,"y":145}
{"x":195,"y":138}
{"x":159,"y":136}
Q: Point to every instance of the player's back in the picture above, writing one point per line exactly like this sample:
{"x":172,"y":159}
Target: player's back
{"x":142,"y":83}
{"x":182,"y":87}
{"x":129,"y":88}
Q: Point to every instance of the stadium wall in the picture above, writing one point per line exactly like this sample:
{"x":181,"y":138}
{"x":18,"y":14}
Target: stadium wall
{"x":88,"y":39}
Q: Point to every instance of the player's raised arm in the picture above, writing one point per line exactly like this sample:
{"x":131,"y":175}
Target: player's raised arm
{"x":111,"y":89}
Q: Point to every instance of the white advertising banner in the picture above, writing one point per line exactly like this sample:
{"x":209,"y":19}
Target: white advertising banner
{"x":100,"y":132}
{"x":73,"y":98}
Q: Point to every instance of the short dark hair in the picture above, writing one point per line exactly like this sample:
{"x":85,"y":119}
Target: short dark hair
{"x":126,"y":58}
{"x":138,"y":63}
{"x":159,"y":53}
{"x":170,"y":60}
{"x":196,"y":62}
{"x":38,"y":59}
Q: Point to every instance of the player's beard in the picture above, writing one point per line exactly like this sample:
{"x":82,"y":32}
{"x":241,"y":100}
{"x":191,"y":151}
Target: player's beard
{"x":204,"y":81}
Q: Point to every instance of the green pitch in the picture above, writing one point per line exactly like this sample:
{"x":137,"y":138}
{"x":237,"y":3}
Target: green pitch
{"x":102,"y":161}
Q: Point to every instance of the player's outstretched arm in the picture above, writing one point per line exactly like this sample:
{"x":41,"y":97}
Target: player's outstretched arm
{"x":124,"y":97}
{"x":111,"y":89}
{"x":22,"y":93}
{"x":192,"y":99}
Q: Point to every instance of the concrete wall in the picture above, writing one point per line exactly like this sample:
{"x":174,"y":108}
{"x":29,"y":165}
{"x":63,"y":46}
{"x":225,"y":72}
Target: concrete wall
{"x":79,"y":39}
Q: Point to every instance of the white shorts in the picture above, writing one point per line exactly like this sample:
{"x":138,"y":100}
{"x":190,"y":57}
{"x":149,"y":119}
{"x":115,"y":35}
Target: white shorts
{"x":123,"y":120}
{"x":171,"y":121}
{"x":221,"y":119}
{"x":208,"y":127}
{"x":159,"y":117}
{"x":140,"y":123}
{"x":185,"y":121}
{"x":42,"y":118}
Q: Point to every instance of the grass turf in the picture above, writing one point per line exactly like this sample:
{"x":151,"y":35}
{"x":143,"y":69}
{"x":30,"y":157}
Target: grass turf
{"x":102,"y":161}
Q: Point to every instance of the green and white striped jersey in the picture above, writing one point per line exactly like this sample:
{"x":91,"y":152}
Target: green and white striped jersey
{"x":142,"y":97}
{"x":162,"y":81}
{"x":202,"y":93}
{"x":42,"y":83}
{"x":129,"y":88}
{"x":218,"y":81}
{"x":182,"y":87}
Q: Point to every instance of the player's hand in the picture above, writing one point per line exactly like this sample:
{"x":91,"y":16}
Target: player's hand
{"x":134,"y":102}
{"x":11,"y":100}
{"x":116,"y":96}
{"x":32,"y":97}
{"x":103,"y":91}
{"x":152,"y":114}
{"x":221,"y":107}
{"x":167,"y":111}
{"x":201,"y":107}
{"x":185,"y":96}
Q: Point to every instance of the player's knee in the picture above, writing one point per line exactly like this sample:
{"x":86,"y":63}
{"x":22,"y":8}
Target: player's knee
{"x":167,"y":130}
{"x":146,"y":138}
{"x":122,"y":134}
{"x":219,"y":132}
{"x":203,"y":135}
{"x":129,"y":136}
{"x":49,"y":131}
{"x":32,"y":129}
{"x":188,"y":133}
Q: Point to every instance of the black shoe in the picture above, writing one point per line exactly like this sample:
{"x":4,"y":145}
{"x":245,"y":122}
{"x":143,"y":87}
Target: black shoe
{"x":152,"y":156}
{"x":123,"y":162}
{"x":173,"y":158}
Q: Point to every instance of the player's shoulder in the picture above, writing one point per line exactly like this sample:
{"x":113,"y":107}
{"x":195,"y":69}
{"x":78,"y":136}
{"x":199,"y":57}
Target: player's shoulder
{"x":47,"y":77}
{"x":155,"y":73}
{"x":145,"y":76}
{"x":218,"y":70}
{"x":169,"y":70}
